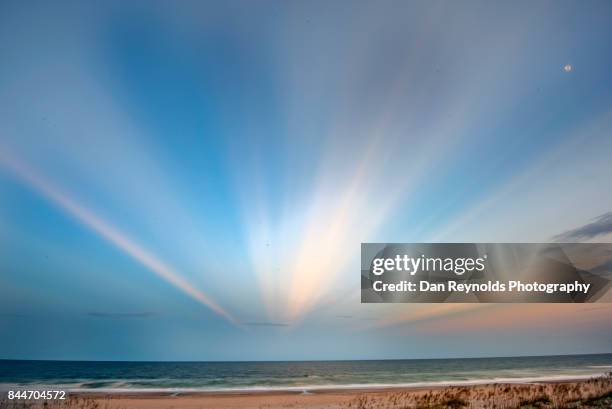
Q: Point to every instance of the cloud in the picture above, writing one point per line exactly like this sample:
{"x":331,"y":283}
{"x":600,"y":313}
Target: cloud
{"x":603,"y":269}
{"x":599,"y":226}
{"x":145,"y":314}
{"x":266,"y":324}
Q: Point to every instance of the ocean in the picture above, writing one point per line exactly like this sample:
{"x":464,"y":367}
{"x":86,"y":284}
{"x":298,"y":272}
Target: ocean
{"x":175,"y":377}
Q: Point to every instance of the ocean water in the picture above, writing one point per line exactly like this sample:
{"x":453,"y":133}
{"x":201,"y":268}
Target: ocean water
{"x":292,"y":376}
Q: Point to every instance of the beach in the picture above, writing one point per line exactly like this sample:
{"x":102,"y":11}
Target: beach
{"x":590,"y":393}
{"x":336,"y":399}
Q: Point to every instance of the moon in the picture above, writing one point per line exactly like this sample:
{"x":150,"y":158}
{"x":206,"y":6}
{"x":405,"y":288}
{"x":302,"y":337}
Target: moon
{"x":567,"y":68}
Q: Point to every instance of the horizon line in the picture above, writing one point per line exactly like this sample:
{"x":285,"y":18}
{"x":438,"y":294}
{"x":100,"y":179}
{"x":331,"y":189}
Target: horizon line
{"x":301,"y":360}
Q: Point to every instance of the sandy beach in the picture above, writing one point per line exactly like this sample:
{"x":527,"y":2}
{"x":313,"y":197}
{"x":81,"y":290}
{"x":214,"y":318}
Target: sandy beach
{"x":592,"y":393}
{"x":339,"y":399}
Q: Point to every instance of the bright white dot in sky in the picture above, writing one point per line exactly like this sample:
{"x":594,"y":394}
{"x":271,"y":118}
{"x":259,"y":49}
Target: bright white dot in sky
{"x":567,"y":68}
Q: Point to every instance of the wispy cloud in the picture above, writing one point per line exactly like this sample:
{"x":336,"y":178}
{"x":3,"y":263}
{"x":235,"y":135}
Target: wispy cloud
{"x":266,"y":324}
{"x":120,"y":315}
{"x":598,"y":227}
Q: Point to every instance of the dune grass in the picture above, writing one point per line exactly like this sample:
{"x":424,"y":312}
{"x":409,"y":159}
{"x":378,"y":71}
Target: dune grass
{"x":592,"y":393}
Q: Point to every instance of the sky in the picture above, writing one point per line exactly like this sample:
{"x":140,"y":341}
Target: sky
{"x":192,"y":180}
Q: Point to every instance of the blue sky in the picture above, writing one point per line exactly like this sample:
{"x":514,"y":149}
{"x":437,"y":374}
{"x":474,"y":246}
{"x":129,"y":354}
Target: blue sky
{"x":193,"y":180}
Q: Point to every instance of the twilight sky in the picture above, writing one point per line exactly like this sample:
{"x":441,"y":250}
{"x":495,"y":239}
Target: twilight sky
{"x":192,"y":180}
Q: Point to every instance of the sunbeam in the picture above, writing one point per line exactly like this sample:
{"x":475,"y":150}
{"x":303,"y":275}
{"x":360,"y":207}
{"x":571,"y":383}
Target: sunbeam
{"x":105,"y":230}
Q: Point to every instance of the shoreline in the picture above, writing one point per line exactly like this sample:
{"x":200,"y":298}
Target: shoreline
{"x":322,"y":389}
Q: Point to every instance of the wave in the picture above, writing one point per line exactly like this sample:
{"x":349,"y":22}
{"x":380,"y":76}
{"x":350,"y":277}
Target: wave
{"x":123,"y":387}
